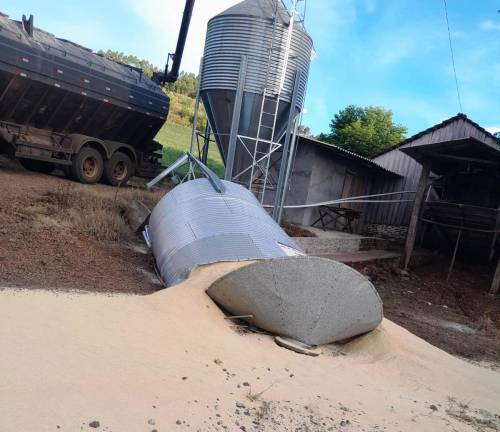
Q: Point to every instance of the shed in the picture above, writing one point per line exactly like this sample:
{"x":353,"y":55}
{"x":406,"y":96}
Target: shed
{"x":323,"y":172}
{"x":458,"y":189}
{"x":453,"y":133}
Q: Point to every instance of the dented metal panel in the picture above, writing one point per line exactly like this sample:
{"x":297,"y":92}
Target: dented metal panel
{"x":194,"y":225}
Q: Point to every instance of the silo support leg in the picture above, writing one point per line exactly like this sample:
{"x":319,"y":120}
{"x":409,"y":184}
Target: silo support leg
{"x":285,"y":167}
{"x":235,"y":124}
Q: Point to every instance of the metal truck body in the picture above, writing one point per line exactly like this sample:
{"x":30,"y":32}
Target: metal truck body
{"x":59,"y":100}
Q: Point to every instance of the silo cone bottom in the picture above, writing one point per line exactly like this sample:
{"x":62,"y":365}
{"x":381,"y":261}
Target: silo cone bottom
{"x":313,"y":300}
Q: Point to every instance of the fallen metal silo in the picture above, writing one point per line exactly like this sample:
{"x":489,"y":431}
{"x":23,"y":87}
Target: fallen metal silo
{"x":310,"y":299}
{"x":253,"y":83}
{"x":194,"y":224}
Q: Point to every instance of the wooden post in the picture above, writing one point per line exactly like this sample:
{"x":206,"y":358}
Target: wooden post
{"x":495,"y":286}
{"x":417,"y":207}
{"x":495,"y":236}
{"x":452,"y":264}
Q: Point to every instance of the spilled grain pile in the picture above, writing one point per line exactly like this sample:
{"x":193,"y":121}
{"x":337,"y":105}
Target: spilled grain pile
{"x":170,"y":361}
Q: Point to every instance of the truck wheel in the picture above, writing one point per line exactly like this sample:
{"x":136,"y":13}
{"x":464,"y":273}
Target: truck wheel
{"x":87,"y":166}
{"x":37,"y":166}
{"x":118,"y":169}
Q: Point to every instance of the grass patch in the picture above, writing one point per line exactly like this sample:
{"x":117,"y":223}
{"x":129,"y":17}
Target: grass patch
{"x":480,"y":420}
{"x":252,"y":397}
{"x":96,"y":212}
{"x":176,"y":140}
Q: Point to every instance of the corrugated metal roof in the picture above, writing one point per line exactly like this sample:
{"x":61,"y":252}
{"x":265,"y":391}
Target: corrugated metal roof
{"x":444,"y":123}
{"x":350,"y":155}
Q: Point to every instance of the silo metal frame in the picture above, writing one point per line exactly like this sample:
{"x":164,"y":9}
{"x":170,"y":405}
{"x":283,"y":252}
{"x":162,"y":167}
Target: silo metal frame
{"x":259,"y":184}
{"x":262,"y":168}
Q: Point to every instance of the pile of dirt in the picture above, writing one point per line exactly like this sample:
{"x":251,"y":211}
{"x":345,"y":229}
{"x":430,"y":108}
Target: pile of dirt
{"x":296,"y":231}
{"x":170,"y":361}
{"x":57,"y":234}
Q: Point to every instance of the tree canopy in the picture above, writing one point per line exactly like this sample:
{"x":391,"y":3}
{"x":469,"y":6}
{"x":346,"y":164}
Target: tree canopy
{"x":364,"y":130}
{"x":304,"y":130}
{"x":186,"y":84}
{"x":181,"y":93}
{"x":147,"y":67}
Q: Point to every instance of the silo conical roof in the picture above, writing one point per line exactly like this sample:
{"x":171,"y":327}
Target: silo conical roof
{"x":261,"y":9}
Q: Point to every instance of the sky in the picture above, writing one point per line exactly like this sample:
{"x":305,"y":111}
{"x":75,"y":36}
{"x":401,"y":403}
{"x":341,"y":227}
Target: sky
{"x":389,"y":53}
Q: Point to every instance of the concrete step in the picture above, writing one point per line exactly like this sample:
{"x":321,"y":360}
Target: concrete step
{"x":340,"y":242}
{"x":362,"y":256}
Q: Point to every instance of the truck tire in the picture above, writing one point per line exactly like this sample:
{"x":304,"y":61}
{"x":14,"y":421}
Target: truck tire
{"x":37,"y":166}
{"x":87,"y":166}
{"x":118,"y":169}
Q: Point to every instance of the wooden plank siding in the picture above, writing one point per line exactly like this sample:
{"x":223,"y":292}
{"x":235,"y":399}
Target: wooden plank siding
{"x":398,"y":213}
{"x":455,"y":128}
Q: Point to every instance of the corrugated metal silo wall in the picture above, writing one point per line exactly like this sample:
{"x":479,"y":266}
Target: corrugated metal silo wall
{"x":229,"y":37}
{"x":248,"y":30}
{"x":398,"y":213}
{"x":194,"y":225}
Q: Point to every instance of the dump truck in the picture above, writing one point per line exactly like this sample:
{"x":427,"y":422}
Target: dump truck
{"x":64,"y":106}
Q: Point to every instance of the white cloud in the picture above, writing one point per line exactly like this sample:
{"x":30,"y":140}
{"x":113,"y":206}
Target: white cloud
{"x":489,"y":25}
{"x":459,"y":35}
{"x":493,"y":129}
{"x":389,"y":49}
{"x":162,"y":19}
{"x":397,"y":49}
{"x":370,"y":6}
{"x":78,"y":32}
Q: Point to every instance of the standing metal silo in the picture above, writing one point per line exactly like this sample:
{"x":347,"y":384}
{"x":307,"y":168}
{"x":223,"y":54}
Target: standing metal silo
{"x":253,"y":83}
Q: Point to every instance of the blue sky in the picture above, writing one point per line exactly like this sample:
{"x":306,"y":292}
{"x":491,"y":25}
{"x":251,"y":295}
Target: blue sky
{"x":390,"y":53}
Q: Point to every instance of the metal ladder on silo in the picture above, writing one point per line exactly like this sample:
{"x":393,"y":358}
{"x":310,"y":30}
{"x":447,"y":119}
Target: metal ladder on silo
{"x":274,"y":145}
{"x":265,"y":135}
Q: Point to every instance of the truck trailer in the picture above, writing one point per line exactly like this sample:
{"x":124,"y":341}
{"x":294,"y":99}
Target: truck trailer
{"x":62,"y":105}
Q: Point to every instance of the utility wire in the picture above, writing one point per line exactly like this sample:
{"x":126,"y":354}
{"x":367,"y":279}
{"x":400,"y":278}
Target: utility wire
{"x":452,"y":56}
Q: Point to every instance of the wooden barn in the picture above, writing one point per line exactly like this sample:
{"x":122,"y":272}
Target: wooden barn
{"x":452,"y":170}
{"x":455,"y":169}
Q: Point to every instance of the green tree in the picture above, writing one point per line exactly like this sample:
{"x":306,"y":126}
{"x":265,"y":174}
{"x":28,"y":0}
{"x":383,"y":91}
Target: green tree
{"x":305,"y":130}
{"x":147,"y":67}
{"x":364,"y":130}
{"x":186,"y":84}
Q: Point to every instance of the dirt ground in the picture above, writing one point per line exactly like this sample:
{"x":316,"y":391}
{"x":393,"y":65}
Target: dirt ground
{"x":458,"y":317}
{"x":57,"y":234}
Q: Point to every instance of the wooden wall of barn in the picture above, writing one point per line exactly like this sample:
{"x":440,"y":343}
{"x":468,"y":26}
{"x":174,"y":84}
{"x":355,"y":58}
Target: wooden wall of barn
{"x":456,"y":128}
{"x":398,"y":213}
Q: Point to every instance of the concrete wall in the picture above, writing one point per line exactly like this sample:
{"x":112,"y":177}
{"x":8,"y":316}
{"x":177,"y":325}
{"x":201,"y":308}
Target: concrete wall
{"x":299,"y":185}
{"x":318,"y":175}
